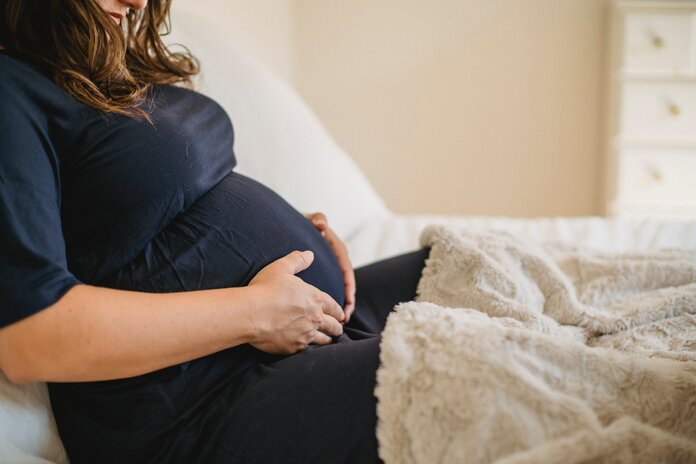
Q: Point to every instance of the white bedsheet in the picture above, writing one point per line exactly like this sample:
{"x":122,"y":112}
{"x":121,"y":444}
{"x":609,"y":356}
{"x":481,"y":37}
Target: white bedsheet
{"x":390,"y":234}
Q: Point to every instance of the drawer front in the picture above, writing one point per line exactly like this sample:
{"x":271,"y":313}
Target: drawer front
{"x":652,"y":110}
{"x":656,"y":42}
{"x":654,"y":178}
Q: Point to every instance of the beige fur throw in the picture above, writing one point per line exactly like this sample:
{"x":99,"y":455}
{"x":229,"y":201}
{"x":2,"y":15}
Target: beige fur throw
{"x":561,"y":355}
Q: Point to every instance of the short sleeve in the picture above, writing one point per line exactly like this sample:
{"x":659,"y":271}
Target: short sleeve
{"x":33,"y":264}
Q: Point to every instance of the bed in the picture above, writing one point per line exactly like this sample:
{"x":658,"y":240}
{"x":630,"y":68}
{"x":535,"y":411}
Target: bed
{"x":280,"y":142}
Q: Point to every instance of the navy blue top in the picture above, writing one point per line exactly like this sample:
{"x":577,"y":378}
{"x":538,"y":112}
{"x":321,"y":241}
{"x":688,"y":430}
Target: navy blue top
{"x":116,"y":202}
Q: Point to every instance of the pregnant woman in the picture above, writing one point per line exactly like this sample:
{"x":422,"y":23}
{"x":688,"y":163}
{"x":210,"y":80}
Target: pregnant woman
{"x":180,"y":311}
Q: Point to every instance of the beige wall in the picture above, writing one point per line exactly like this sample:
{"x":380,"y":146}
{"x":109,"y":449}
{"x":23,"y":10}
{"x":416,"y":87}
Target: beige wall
{"x":449,"y":106}
{"x":267,"y":27}
{"x":461,"y":106}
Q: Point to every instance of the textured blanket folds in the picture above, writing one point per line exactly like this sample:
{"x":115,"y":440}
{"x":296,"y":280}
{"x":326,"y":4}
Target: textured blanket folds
{"x":521,"y":352}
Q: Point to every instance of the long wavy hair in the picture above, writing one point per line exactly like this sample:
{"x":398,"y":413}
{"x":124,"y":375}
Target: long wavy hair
{"x":107,"y":66}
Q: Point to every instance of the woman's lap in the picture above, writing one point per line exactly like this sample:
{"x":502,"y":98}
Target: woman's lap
{"x":384,"y":284}
{"x":317,"y":405}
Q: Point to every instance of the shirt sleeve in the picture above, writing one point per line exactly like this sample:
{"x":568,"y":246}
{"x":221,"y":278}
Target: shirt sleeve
{"x":33,"y":264}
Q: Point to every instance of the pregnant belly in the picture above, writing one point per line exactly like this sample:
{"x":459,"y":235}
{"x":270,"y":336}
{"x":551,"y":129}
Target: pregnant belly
{"x":224,"y":239}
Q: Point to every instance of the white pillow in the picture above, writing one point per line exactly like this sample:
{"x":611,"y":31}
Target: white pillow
{"x":278,"y":139}
{"x":28,"y":432}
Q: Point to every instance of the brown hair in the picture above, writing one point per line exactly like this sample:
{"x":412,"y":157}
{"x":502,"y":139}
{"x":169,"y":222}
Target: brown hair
{"x":97,"y":61}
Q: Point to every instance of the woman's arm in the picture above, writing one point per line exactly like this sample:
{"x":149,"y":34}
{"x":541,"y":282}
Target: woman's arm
{"x":95,"y":333}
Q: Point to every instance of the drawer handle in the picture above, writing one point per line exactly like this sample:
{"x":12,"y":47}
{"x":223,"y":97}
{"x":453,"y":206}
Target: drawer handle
{"x":656,"y":174}
{"x":658,"y":42}
{"x":675,"y":110}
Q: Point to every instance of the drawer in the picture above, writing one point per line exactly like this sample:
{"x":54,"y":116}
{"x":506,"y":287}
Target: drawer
{"x":653,"y":177}
{"x":658,"y":42}
{"x":659,"y":110}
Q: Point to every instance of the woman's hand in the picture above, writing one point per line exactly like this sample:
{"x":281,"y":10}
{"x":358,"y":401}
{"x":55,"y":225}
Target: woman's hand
{"x":290,"y":313}
{"x":319,"y":221}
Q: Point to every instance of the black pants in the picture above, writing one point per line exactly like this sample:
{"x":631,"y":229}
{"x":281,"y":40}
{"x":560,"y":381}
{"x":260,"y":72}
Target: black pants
{"x":316,"y":406}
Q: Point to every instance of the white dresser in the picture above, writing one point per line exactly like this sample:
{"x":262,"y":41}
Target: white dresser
{"x":651,"y":125}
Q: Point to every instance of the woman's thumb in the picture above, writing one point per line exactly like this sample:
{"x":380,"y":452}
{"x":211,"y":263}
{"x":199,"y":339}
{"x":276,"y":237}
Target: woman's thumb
{"x":300,"y":260}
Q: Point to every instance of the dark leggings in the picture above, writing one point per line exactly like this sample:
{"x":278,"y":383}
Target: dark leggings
{"x":317,"y":406}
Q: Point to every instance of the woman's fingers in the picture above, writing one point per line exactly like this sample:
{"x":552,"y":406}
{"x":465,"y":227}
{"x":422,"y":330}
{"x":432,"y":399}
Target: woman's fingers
{"x":321,"y":339}
{"x":331,"y":308}
{"x":319,"y":222}
{"x":338,"y":247}
{"x":349,"y":280}
{"x":317,"y":219}
{"x":330,"y":326}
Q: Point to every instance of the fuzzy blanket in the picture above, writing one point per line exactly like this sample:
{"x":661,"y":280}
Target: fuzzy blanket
{"x":520,"y":352}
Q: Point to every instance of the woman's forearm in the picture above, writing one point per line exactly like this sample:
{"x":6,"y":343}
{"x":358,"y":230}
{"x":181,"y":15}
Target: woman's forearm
{"x":95,"y":333}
